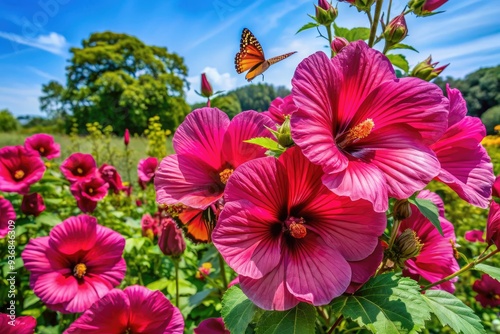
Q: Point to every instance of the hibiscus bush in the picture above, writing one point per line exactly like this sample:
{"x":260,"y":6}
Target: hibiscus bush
{"x":363,"y":201}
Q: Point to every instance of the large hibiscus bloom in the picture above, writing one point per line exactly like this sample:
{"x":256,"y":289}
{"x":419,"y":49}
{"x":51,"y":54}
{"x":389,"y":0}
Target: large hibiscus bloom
{"x":76,"y":265}
{"x":44,"y":145}
{"x":465,"y":165}
{"x":208,"y":148}
{"x":78,"y":167}
{"x":19,"y":169}
{"x":291,"y":239}
{"x":134,"y":310}
{"x":368,"y":130}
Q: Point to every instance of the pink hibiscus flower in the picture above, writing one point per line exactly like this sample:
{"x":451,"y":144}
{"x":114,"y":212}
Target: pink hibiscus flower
{"x":368,"y":130}
{"x":211,"y":326}
{"x":109,"y":174}
{"x":44,"y":145}
{"x":150,"y":226}
{"x":88,"y":192}
{"x":280,"y":225}
{"x":146,"y":170}
{"x":436,"y":259}
{"x":465,"y":165}
{"x":22,"y":325}
{"x":79,"y":166}
{"x":19,"y":168}
{"x":76,"y":265}
{"x":281,"y":107}
{"x":488,"y":291}
{"x":7,"y":214}
{"x":209,"y":148}
{"x":493,"y":225}
{"x":32,"y":204}
{"x":474,"y":236}
{"x":496,"y":187}
{"x":133,"y":310}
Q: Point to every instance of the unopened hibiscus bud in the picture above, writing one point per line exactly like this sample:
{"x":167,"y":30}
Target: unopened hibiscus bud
{"x":325,"y":13}
{"x":206,"y":88}
{"x":171,"y":241}
{"x":284,"y":135}
{"x":402,"y":210}
{"x":427,"y":70}
{"x":33,"y":204}
{"x":396,"y":30}
{"x":339,"y":43}
{"x":126,"y":137}
{"x":425,"y":7}
{"x":406,"y":246}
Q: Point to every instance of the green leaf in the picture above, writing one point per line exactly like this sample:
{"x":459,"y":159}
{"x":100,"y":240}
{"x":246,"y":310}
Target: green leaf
{"x":299,"y":320}
{"x":48,"y":219}
{"x":237,"y":310}
{"x":399,"y":61}
{"x":353,"y":34}
{"x":429,"y":210}
{"x":403,"y":46}
{"x":307,"y":26}
{"x":264,"y":142}
{"x":386,"y":304}
{"x":494,"y":272}
{"x":452,"y":312}
{"x":186,"y":288}
{"x":199,"y":297}
{"x":160,"y":284}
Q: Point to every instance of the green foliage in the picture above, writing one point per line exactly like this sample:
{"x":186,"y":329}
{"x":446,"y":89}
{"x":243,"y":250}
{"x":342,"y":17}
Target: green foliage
{"x":157,"y":138}
{"x":494,"y":272}
{"x":300,"y":319}
{"x":228,"y":103}
{"x":258,"y":97}
{"x":53,"y":101}
{"x":491,"y":118}
{"x":237,"y":310}
{"x":429,"y":210}
{"x":8,"y":122}
{"x":353,"y":34}
{"x":399,"y":61}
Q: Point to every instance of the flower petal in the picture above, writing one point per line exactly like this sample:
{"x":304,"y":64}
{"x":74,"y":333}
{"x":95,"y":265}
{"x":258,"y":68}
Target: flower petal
{"x":55,"y":288}
{"x":77,"y":233}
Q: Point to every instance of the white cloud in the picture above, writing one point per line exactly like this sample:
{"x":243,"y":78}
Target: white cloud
{"x":53,"y":42}
{"x":219,"y":81}
{"x":42,"y":73}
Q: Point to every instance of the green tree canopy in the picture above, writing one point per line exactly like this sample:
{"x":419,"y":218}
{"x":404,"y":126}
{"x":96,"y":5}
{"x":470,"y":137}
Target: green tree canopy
{"x":258,"y":97}
{"x":491,"y":118}
{"x":7,"y":121}
{"x":115,"y":79}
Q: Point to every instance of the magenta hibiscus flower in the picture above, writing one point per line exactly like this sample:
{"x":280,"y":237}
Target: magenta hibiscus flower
{"x":496,"y":187}
{"x":465,"y":165}
{"x":133,"y":310}
{"x":79,"y":166}
{"x":33,"y":204}
{"x":281,"y":107}
{"x":368,"y":130}
{"x":493,"y":225}
{"x":211,"y":326}
{"x":146,"y":169}
{"x":76,"y":265}
{"x":88,"y":192}
{"x":19,"y":168}
{"x":7,"y":214}
{"x":474,"y":236}
{"x":279,"y":227}
{"x":488,"y":291}
{"x":44,"y":145}
{"x":436,"y":259}
{"x":21,"y":325}
{"x":209,"y":148}
{"x":109,"y":174}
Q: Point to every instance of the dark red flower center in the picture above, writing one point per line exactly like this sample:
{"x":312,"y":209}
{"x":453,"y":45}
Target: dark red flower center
{"x":80,"y":270}
{"x":360,"y":131}
{"x":19,"y":174}
{"x":225,"y":174}
{"x":296,"y":227}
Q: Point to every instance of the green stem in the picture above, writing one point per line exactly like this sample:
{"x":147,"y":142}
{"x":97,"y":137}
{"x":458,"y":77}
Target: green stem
{"x":127,"y":153}
{"x":176,"y":265}
{"x":394,"y":234}
{"x":388,"y":12}
{"x":339,"y":320}
{"x":329,"y":32}
{"x":462,"y":270}
{"x":223,"y":271}
{"x":376,"y":18}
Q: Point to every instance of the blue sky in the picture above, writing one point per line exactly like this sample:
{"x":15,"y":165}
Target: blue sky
{"x":35,"y":36}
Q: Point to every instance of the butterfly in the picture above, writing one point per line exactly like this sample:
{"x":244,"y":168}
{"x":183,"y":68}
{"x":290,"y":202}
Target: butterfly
{"x":251,"y":56}
{"x":198,"y":224}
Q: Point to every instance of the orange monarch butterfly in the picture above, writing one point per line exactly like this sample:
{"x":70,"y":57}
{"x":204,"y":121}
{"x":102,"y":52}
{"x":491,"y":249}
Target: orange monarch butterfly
{"x":198,"y":224}
{"x":251,"y":56}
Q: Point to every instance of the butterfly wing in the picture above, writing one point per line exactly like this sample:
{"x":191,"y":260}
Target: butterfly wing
{"x":251,"y":53}
{"x":198,"y":224}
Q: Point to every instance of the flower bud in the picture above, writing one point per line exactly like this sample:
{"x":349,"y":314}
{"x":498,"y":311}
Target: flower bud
{"x":126,"y":137}
{"x":402,"y":210}
{"x":206,"y":88}
{"x":396,"y":30}
{"x":284,"y":135}
{"x":425,"y":7}
{"x":325,"y":13}
{"x":339,"y":43}
{"x":426,"y":70}
{"x":32,"y":204}
{"x":171,"y":241}
{"x":406,"y":246}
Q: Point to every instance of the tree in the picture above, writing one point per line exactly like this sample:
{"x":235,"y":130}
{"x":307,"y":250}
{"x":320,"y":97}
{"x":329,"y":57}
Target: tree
{"x":116,"y":79}
{"x":8,"y":122}
{"x":52,"y":101}
{"x":491,"y":118}
{"x":258,"y":97}
{"x":227,"y":103}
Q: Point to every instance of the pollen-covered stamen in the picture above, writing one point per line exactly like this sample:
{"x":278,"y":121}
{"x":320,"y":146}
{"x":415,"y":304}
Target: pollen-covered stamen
{"x":225,"y":174}
{"x":41,"y":150}
{"x":296,"y":227}
{"x":90,"y":190}
{"x":80,"y":270}
{"x":360,"y":131}
{"x":19,"y":174}
{"x":79,"y":171}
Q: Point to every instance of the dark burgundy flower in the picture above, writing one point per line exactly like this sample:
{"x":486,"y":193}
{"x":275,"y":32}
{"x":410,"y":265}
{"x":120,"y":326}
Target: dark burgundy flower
{"x":88,"y":192}
{"x":79,"y":166}
{"x":146,"y":169}
{"x":488,"y":291}
{"x":44,"y":145}
{"x":211,"y":326}
{"x":33,"y":204}
{"x":19,"y":168}
{"x":496,"y":187}
{"x":110,"y":175}
{"x":493,"y":225}
{"x":150,"y":226}
{"x":171,"y":241}
{"x":7,"y":214}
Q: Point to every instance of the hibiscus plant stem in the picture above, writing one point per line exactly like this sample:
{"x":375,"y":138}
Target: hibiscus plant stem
{"x":376,"y":18}
{"x":467,"y":267}
{"x":329,"y":32}
{"x":176,"y":265}
{"x":223,"y":271}
{"x":337,"y":322}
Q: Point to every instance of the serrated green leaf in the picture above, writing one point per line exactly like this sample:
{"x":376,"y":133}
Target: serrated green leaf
{"x":399,"y":61}
{"x":299,"y":320}
{"x":403,"y":46}
{"x":429,"y":210}
{"x":264,"y":142}
{"x":452,"y":312}
{"x":386,"y":304}
{"x":307,"y":26}
{"x":353,"y":34}
{"x":494,"y":272}
{"x":237,"y":310}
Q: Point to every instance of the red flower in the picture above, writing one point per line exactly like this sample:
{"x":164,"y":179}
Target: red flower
{"x":19,"y":168}
{"x":281,"y":107}
{"x":88,"y":192}
{"x":7,"y":214}
{"x":126,"y":137}
{"x":339,"y":43}
{"x":79,"y":166}
{"x":211,"y":326}
{"x":171,"y":241}
{"x":149,"y":225}
{"x":488,"y":290}
{"x":110,"y":175}
{"x":32,"y":204}
{"x":493,"y":225}
{"x":146,"y":169}
{"x":206,"y":88}
{"x":22,"y":325}
{"x":474,"y":236}
{"x":76,"y":265}
{"x":44,"y":145}
{"x":496,"y":187}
